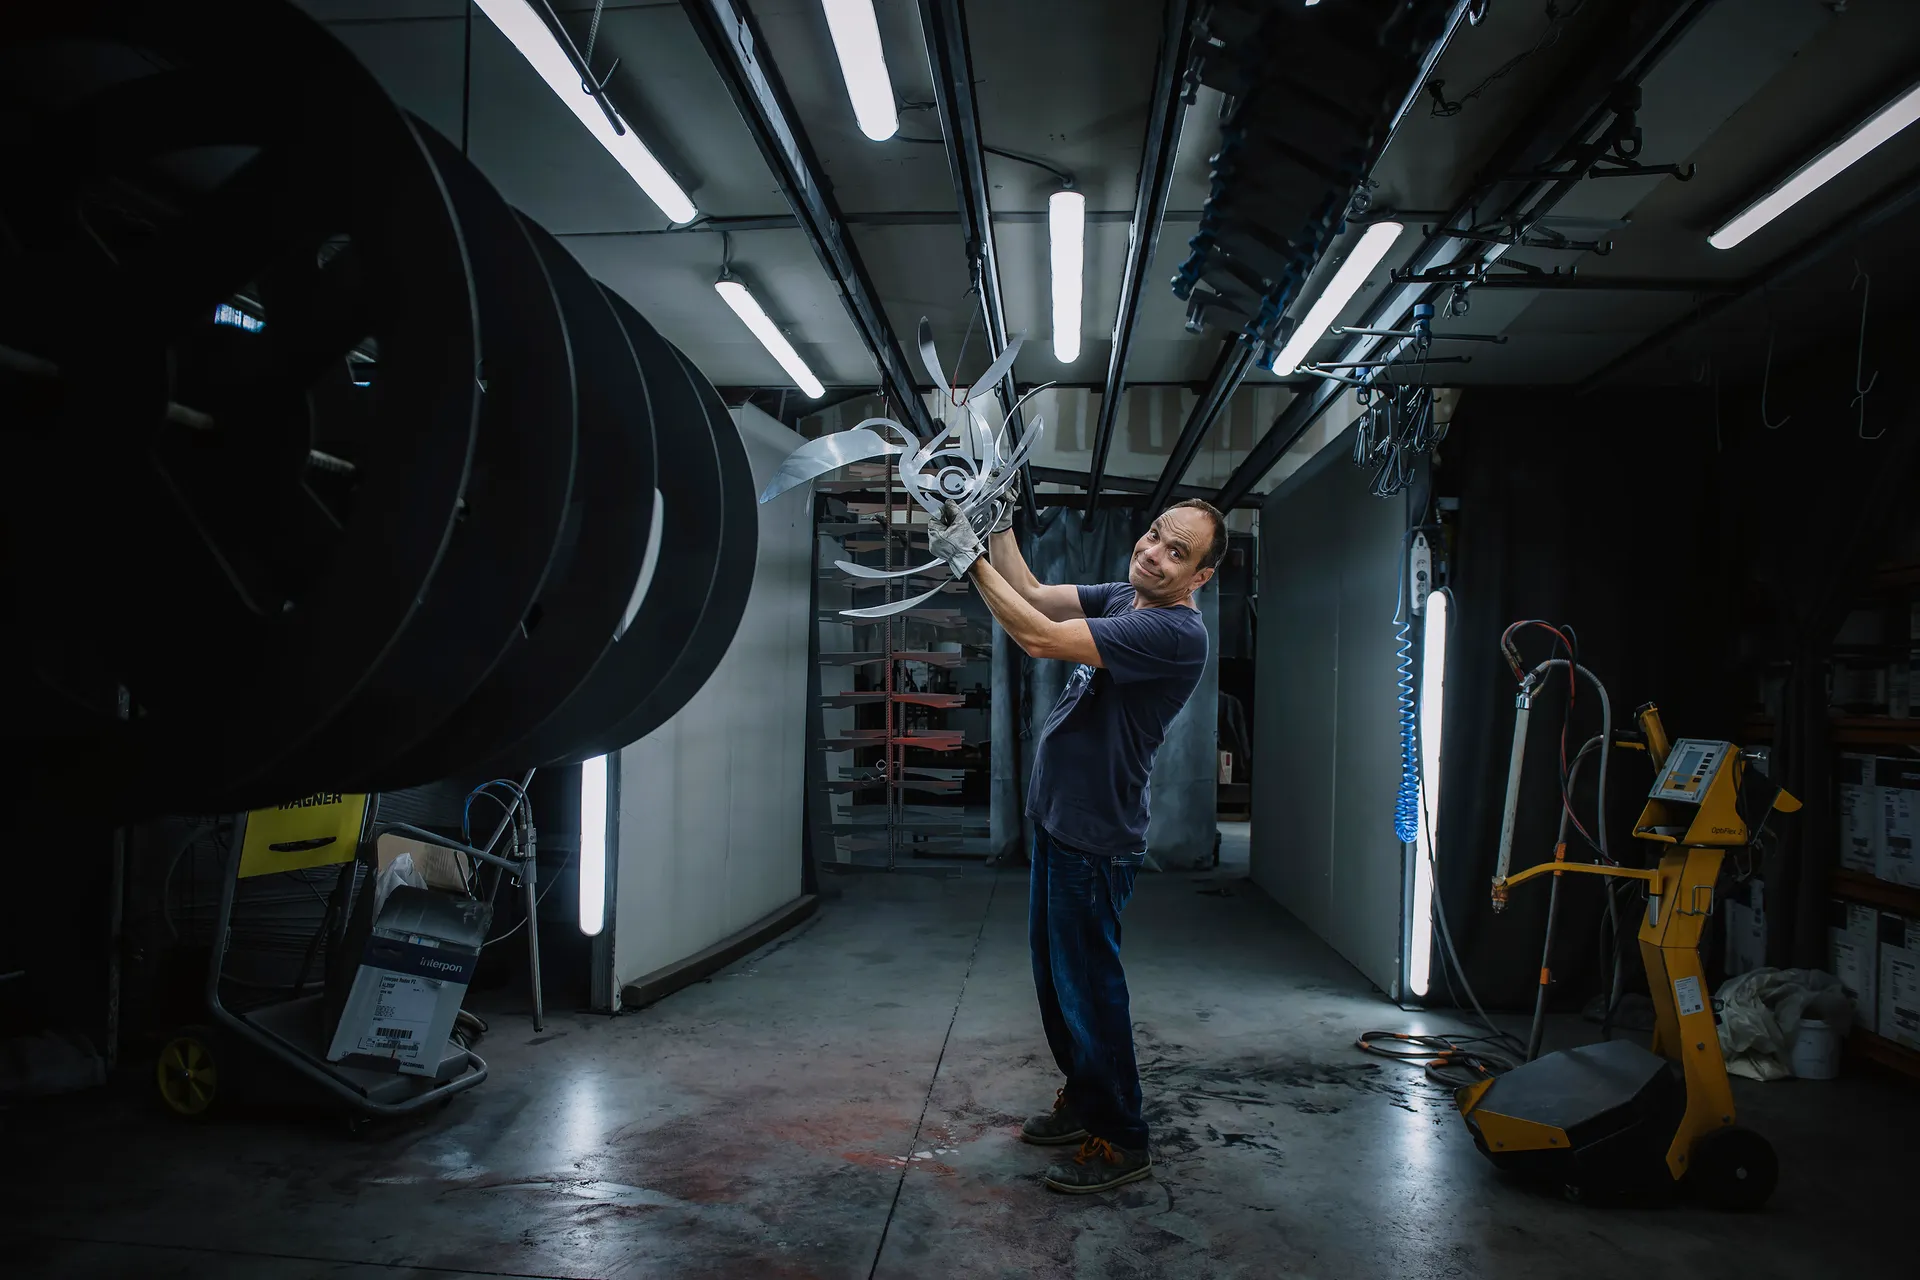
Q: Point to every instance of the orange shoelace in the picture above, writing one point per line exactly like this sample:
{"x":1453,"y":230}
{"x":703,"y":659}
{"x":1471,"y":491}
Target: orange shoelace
{"x":1097,"y":1147}
{"x":1059,"y":1099}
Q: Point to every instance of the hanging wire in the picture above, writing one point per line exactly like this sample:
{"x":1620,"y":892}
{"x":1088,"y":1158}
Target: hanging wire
{"x":592,"y":86}
{"x":1766,"y":378}
{"x":1717,"y":447}
{"x":1865,"y":281}
{"x":1557,"y":20}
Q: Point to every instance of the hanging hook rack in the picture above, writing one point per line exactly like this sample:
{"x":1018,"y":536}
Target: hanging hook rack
{"x":1766,"y":379}
{"x":1865,"y":281}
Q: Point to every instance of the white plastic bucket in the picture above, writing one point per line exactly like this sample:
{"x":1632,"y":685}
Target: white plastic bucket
{"x":1816,"y":1050}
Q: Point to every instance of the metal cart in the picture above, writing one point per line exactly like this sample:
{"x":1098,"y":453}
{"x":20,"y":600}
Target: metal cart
{"x":323,"y":831}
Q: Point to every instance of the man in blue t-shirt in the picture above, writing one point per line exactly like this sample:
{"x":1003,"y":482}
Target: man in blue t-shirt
{"x":1139,"y":648}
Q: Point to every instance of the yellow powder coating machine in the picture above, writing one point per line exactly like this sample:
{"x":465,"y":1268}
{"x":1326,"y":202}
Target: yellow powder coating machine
{"x":1613,"y":1118}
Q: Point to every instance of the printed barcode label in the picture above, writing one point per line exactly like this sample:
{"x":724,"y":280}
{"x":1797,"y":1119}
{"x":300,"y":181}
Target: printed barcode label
{"x":393,"y":1033}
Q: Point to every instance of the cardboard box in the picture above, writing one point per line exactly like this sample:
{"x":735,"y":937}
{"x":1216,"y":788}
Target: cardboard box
{"x":1899,"y":980}
{"x":1898,"y":782}
{"x":1746,"y":930}
{"x":1860,"y":816}
{"x":440,"y":867}
{"x":1853,"y":956}
{"x":413,"y":975}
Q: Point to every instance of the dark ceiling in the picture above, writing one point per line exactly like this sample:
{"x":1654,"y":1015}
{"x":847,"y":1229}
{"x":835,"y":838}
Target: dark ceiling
{"x":1752,"y":89}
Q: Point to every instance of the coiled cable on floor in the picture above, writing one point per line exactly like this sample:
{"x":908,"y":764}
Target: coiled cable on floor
{"x":1452,"y":1062}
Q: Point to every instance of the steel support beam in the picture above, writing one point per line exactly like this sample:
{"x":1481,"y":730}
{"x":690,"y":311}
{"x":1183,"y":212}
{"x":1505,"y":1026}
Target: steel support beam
{"x":1110,"y":485}
{"x":1229,"y":370}
{"x":1550,"y":282}
{"x":1631,"y":46}
{"x":944,"y":26}
{"x":739,"y":52}
{"x":1165,"y":115}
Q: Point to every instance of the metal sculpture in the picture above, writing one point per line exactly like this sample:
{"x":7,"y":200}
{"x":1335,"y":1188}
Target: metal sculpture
{"x":968,"y":462}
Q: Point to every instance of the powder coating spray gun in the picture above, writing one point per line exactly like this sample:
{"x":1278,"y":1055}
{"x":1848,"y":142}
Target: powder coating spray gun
{"x":1613,"y":1118}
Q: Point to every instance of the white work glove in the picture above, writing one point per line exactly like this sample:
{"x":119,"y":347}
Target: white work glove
{"x":951,"y":538}
{"x":1003,"y":508}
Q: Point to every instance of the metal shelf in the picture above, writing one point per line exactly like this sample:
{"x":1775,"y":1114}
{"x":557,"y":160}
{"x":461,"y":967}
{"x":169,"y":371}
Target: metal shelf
{"x":952,"y":741}
{"x":866,"y":697}
{"x":1858,"y":886}
{"x":932,"y":658}
{"x":1852,"y":731}
{"x":932,"y":786}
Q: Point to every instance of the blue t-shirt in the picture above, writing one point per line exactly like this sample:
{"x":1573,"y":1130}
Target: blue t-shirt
{"x":1089,"y":786}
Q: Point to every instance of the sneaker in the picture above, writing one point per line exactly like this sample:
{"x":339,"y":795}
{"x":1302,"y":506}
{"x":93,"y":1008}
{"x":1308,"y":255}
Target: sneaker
{"x":1055,"y":1128}
{"x":1099,"y":1166}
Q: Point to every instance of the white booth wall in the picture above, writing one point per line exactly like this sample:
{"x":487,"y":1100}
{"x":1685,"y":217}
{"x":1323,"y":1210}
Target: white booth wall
{"x":1326,"y":751}
{"x":711,"y":803}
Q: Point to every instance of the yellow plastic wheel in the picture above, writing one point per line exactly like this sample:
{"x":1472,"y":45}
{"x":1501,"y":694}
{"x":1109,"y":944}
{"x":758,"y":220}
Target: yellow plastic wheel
{"x":188,"y":1073}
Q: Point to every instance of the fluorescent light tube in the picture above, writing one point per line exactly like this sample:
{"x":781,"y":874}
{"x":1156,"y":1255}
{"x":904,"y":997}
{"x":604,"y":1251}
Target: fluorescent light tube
{"x":1820,"y":170}
{"x":1333,"y":299}
{"x":1067,"y":254}
{"x":747,"y":307}
{"x":1433,"y":695}
{"x":538,"y":45}
{"x":863,"y":65}
{"x":593,"y":846}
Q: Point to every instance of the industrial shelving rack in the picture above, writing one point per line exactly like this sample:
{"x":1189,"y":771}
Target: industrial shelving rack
{"x":1894,"y":591}
{"x":868,"y":513}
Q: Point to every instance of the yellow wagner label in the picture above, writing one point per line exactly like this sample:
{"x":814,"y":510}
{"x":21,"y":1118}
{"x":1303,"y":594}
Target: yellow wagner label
{"x":312,"y":831}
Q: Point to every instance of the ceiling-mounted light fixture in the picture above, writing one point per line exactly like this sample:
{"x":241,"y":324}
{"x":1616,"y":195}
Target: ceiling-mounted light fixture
{"x":748,"y":308}
{"x":1820,"y":170}
{"x":541,"y":48}
{"x":1333,"y":299}
{"x":1067,"y":254}
{"x":863,"y":65}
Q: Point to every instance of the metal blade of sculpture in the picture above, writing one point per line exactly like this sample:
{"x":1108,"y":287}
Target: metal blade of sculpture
{"x":968,"y":462}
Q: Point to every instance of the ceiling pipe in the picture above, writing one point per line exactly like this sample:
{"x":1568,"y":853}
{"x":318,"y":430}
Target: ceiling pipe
{"x":944,"y":27}
{"x":1632,"y":45}
{"x":734,"y":43}
{"x":1165,"y":115}
{"x":1229,"y":373}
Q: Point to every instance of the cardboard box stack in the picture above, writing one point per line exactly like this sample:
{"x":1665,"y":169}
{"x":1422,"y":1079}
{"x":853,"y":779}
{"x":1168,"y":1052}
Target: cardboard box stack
{"x":1860,"y":816}
{"x":1897,"y":782}
{"x":1899,"y":980}
{"x":1853,"y":942}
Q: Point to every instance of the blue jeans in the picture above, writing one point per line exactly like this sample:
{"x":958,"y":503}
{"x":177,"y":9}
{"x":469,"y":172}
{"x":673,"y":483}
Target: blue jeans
{"x":1073,"y":923}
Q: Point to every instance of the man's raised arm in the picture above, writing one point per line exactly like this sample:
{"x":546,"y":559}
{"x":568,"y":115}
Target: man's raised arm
{"x":1056,"y":603}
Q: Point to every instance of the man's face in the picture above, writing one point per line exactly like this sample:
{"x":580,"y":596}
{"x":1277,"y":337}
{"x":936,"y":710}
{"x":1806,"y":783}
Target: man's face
{"x":1166,"y":560}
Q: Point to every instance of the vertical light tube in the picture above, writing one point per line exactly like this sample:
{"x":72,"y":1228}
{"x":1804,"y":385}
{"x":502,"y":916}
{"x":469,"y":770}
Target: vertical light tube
{"x":863,"y":65}
{"x":1433,"y":697}
{"x":593,"y":845}
{"x":1067,"y":251}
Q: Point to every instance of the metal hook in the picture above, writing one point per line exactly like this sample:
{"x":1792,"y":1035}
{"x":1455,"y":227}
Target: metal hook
{"x":1766,"y":377}
{"x":1865,"y":281}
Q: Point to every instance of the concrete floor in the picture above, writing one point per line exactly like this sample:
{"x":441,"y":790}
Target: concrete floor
{"x":844,"y":1104}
